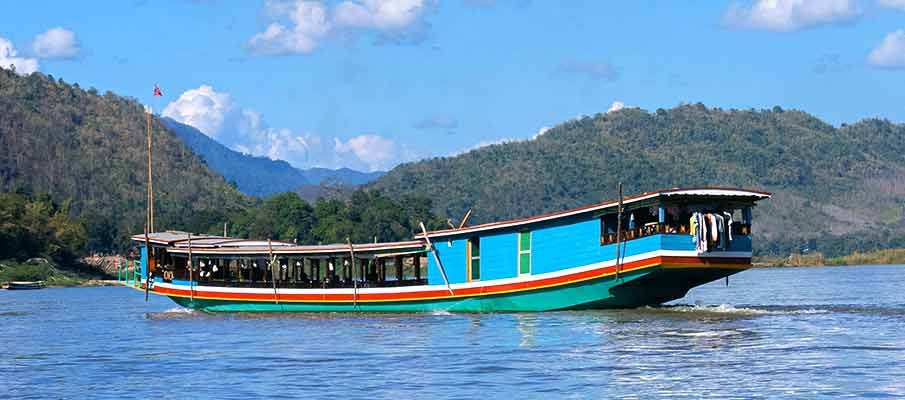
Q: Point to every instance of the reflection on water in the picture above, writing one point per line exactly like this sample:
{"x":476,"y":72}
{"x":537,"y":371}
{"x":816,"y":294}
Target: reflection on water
{"x":829,"y":333}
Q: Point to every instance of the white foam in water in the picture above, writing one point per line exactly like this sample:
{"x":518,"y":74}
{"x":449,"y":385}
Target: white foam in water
{"x":722,"y":333}
{"x":732,"y":310}
{"x":179,"y":310}
{"x":440,"y":312}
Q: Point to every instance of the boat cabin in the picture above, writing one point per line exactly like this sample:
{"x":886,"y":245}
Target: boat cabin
{"x":703,"y":222}
{"x":219,"y":261}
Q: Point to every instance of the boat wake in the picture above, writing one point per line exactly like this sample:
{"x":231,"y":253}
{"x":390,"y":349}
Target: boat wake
{"x":173,"y":313}
{"x":730,"y":310}
{"x":706,"y":334}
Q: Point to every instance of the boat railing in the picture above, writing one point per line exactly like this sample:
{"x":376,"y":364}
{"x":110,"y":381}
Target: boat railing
{"x":312,"y":284}
{"x":656,"y":228}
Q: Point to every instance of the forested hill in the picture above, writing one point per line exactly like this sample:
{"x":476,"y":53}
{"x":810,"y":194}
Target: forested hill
{"x":836,"y":189}
{"x":77,"y":144}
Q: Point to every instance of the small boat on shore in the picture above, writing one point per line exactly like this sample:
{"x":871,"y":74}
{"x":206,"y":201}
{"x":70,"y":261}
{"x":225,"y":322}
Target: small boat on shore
{"x":636,"y":251}
{"x":25,"y":285}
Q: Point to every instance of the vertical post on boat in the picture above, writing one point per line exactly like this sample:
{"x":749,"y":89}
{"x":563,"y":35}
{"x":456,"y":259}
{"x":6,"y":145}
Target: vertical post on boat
{"x":619,"y":232}
{"x":352,"y":266}
{"x":147,"y":267}
{"x":273,"y":275}
{"x":436,"y":257}
{"x":191,"y":272}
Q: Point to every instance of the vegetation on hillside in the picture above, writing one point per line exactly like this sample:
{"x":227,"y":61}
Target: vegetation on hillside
{"x":40,"y":241}
{"x":77,"y":144}
{"x":364,"y":217}
{"x":836,"y":189}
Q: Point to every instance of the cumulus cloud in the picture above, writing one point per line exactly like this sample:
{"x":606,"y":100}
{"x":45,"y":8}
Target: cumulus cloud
{"x":899,"y":4}
{"x":298,"y":26}
{"x":616,"y":106}
{"x":308,"y":24}
{"x":790,"y":15}
{"x":204,"y":108}
{"x":9,"y":58}
{"x":376,"y":152}
{"x":890,"y":52}
{"x":217,"y":115}
{"x":540,"y":132}
{"x":379,"y":14}
{"x":56,"y":43}
{"x":594,"y":70}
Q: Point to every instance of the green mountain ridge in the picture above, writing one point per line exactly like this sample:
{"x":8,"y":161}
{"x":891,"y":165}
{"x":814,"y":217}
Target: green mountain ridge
{"x":71,"y":143}
{"x":835,"y":189}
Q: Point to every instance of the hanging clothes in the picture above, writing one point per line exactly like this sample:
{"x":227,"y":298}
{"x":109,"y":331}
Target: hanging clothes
{"x":728,"y":225}
{"x":721,"y":230}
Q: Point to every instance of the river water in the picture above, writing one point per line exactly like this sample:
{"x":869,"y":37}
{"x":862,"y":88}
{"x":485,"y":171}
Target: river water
{"x":772,"y":333}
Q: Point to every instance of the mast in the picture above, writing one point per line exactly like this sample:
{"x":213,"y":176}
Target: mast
{"x":150,"y":179}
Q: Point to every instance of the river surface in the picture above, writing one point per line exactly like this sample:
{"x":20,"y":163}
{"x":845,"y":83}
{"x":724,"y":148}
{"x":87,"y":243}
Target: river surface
{"x":772,"y":333}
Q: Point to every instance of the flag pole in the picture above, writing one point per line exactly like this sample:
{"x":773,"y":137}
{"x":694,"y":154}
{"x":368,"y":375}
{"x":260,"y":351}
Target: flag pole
{"x":150,"y":178}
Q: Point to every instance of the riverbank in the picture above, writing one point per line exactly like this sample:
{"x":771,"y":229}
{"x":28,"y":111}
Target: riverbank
{"x":53,"y":275}
{"x":817,"y":259}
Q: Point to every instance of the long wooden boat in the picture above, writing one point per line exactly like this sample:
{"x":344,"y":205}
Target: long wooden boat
{"x":667,"y":242}
{"x":25,"y":285}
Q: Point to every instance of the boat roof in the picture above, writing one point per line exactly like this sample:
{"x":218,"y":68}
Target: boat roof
{"x":708,"y":193}
{"x":177,"y":242}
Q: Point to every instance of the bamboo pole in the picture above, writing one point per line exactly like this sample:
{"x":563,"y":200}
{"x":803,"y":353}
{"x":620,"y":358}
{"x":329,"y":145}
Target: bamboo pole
{"x":273,"y":275}
{"x":436,"y":258}
{"x":147,"y":267}
{"x":619,"y":233}
{"x":150,"y":179}
{"x":352,"y":266}
{"x":191,"y":272}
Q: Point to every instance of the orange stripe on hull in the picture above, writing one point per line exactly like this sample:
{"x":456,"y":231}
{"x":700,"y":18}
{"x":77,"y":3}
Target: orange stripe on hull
{"x":443,"y":293}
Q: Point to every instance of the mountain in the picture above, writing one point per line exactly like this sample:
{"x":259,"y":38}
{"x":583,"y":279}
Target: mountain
{"x":256,"y":176}
{"x":343,"y":175}
{"x":261,"y":176}
{"x":836,"y":189}
{"x":91,"y":149}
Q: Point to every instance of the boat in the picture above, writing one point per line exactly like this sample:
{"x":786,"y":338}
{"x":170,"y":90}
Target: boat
{"x":25,"y":285}
{"x":641,"y":250}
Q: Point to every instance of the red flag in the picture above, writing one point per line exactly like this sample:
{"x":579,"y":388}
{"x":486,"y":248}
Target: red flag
{"x":157,"y":91}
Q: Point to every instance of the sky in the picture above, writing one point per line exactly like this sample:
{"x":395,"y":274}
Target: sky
{"x":369,"y":84}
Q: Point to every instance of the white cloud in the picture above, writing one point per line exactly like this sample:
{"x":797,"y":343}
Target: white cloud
{"x":298,"y":26}
{"x":540,"y":132}
{"x":891,"y":52}
{"x":790,"y":15}
{"x":616,"y":106}
{"x":309,"y":24}
{"x":217,"y":115}
{"x":56,"y":43}
{"x":204,"y":108}
{"x":900,"y":4}
{"x":374,"y":151}
{"x":380,"y":14}
{"x":9,"y":58}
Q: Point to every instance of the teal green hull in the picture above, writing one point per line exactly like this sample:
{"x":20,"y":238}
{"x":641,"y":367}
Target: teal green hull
{"x":650,"y":287}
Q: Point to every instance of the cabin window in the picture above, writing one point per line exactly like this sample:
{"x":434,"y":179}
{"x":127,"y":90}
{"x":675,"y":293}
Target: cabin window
{"x":474,"y":259}
{"x":524,"y":253}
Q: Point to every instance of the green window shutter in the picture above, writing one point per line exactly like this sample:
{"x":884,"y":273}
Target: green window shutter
{"x":524,"y":241}
{"x":524,"y":253}
{"x":475,"y":269}
{"x":524,"y":263}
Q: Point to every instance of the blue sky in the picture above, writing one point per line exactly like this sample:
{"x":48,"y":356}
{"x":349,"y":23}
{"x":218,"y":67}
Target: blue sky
{"x":371,"y":83}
